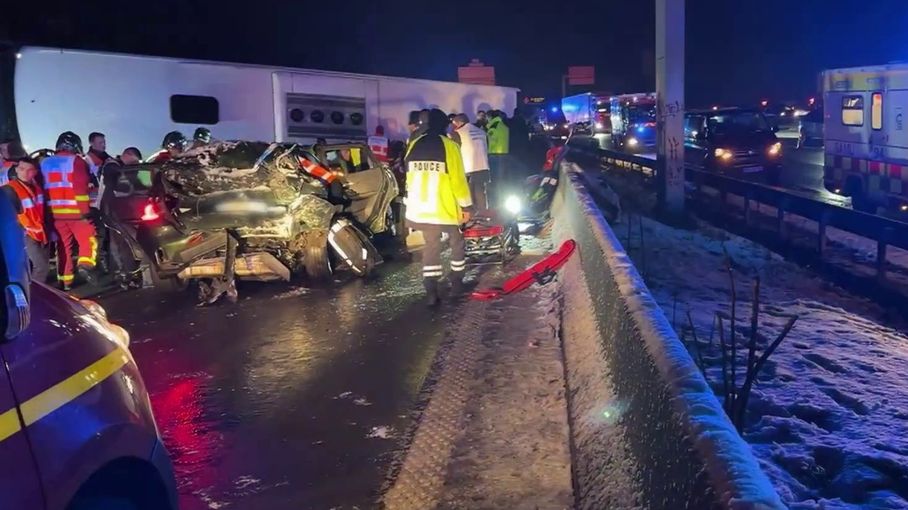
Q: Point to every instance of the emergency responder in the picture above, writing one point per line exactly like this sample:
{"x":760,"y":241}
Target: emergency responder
{"x":438,"y":200}
{"x":10,"y":152}
{"x":66,"y":182}
{"x":413,"y":125}
{"x":97,"y":153}
{"x":131,"y":156}
{"x":201,"y":137}
{"x":499,"y":147}
{"x":173,"y":145}
{"x":475,"y":152}
{"x":97,"y":157}
{"x":378,"y":144}
{"x":482,"y":121}
{"x":30,"y":199}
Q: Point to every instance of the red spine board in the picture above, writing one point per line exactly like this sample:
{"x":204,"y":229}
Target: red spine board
{"x":541,"y":272}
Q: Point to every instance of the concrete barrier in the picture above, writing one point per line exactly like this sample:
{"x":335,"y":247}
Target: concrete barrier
{"x":647,"y":430}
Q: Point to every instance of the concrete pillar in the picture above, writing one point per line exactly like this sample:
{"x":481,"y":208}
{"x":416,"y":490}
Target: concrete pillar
{"x":670,"y":97}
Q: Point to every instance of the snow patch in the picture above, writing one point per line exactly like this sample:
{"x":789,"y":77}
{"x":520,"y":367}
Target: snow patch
{"x":381,"y":432}
{"x":827,"y":417}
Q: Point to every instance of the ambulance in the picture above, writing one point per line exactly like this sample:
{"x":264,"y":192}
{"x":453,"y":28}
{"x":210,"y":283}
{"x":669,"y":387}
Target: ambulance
{"x":866,"y":139}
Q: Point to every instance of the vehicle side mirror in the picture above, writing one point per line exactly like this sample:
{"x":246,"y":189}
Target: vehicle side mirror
{"x":15,"y":279}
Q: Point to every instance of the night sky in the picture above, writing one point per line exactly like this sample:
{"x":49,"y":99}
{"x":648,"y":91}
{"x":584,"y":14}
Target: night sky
{"x":737,"y":50}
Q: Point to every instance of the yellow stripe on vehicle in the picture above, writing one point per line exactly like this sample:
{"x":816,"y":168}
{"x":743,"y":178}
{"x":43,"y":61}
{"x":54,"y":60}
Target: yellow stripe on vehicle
{"x":9,"y":423}
{"x":70,"y":388}
{"x":82,"y":198}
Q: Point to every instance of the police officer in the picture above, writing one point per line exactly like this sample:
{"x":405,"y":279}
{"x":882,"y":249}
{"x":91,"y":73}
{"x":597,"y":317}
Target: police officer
{"x":438,"y":200}
{"x":66,"y":185}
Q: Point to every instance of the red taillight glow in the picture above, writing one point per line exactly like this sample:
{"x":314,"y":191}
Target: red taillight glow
{"x":650,"y":124}
{"x":150,"y":213}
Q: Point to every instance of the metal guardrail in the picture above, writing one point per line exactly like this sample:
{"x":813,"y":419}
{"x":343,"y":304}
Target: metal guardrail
{"x":884,"y":231}
{"x":685,"y":451}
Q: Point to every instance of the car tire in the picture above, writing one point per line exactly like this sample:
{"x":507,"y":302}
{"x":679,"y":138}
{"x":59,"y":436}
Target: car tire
{"x":317,"y":262}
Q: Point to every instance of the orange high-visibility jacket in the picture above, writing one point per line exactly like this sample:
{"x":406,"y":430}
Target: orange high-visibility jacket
{"x":32,"y":216}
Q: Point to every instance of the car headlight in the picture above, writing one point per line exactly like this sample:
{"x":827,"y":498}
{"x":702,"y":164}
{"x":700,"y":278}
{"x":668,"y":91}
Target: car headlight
{"x":724,"y":154}
{"x":513,"y":204}
{"x":633,"y":142}
{"x":599,"y":125}
{"x":775,"y":149}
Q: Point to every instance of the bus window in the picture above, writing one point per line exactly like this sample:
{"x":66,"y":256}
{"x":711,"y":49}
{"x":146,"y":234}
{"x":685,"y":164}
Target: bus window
{"x":853,"y":111}
{"x":876,"y":111}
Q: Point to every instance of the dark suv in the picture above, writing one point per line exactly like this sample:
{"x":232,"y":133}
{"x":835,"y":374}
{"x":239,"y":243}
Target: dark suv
{"x":733,"y":141}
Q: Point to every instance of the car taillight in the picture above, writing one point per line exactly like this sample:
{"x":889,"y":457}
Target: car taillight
{"x":151,"y":212}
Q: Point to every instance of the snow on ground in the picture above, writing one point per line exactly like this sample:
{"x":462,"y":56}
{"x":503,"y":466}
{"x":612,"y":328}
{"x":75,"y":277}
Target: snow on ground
{"x":828,"y":419}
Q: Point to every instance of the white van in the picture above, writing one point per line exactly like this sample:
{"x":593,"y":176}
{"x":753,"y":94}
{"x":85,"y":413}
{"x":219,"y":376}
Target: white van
{"x":866,"y":137}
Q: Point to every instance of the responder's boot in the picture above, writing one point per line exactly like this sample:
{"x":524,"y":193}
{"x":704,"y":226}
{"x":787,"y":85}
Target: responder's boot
{"x":432,"y":298}
{"x":88,"y":274}
{"x":457,"y":287}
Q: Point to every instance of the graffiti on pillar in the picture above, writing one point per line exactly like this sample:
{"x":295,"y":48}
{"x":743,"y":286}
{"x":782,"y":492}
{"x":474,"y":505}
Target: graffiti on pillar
{"x":670,"y":110}
{"x":675,"y":161}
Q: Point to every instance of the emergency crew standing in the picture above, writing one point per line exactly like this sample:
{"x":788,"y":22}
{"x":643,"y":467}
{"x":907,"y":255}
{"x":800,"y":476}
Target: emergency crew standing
{"x":499,"y":147}
{"x":66,"y":183}
{"x":31,"y":216}
{"x":475,"y":152}
{"x":437,"y":198}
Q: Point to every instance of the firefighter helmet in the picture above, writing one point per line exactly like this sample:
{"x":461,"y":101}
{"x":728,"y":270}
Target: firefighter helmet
{"x":69,"y":141}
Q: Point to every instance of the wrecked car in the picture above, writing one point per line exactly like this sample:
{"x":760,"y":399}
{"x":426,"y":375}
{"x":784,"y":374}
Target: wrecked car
{"x":254,"y":211}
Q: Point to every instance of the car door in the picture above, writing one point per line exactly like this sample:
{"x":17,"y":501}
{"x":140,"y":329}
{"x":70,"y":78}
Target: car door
{"x":372,"y":187}
{"x":20,"y":485}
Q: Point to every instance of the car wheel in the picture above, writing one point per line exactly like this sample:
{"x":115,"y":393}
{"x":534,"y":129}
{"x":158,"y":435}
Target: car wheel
{"x":316,"y":262}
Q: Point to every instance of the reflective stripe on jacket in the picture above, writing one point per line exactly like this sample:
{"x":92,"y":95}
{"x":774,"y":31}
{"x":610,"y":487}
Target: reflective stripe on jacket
{"x":436,"y":183}
{"x":32,"y":216}
{"x":66,"y":184}
{"x":499,"y":137}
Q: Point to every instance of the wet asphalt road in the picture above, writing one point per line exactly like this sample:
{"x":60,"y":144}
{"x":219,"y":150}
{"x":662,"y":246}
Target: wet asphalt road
{"x":292,"y":398}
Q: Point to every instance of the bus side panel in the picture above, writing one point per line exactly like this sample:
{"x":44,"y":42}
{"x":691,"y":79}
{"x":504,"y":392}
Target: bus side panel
{"x":128,"y":98}
{"x":399,"y":96}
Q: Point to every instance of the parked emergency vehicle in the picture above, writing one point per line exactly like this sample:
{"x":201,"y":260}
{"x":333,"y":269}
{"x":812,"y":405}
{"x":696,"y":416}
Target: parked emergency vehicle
{"x":588,"y":112}
{"x":76,"y":427}
{"x":865,"y":135}
{"x":633,"y":119}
